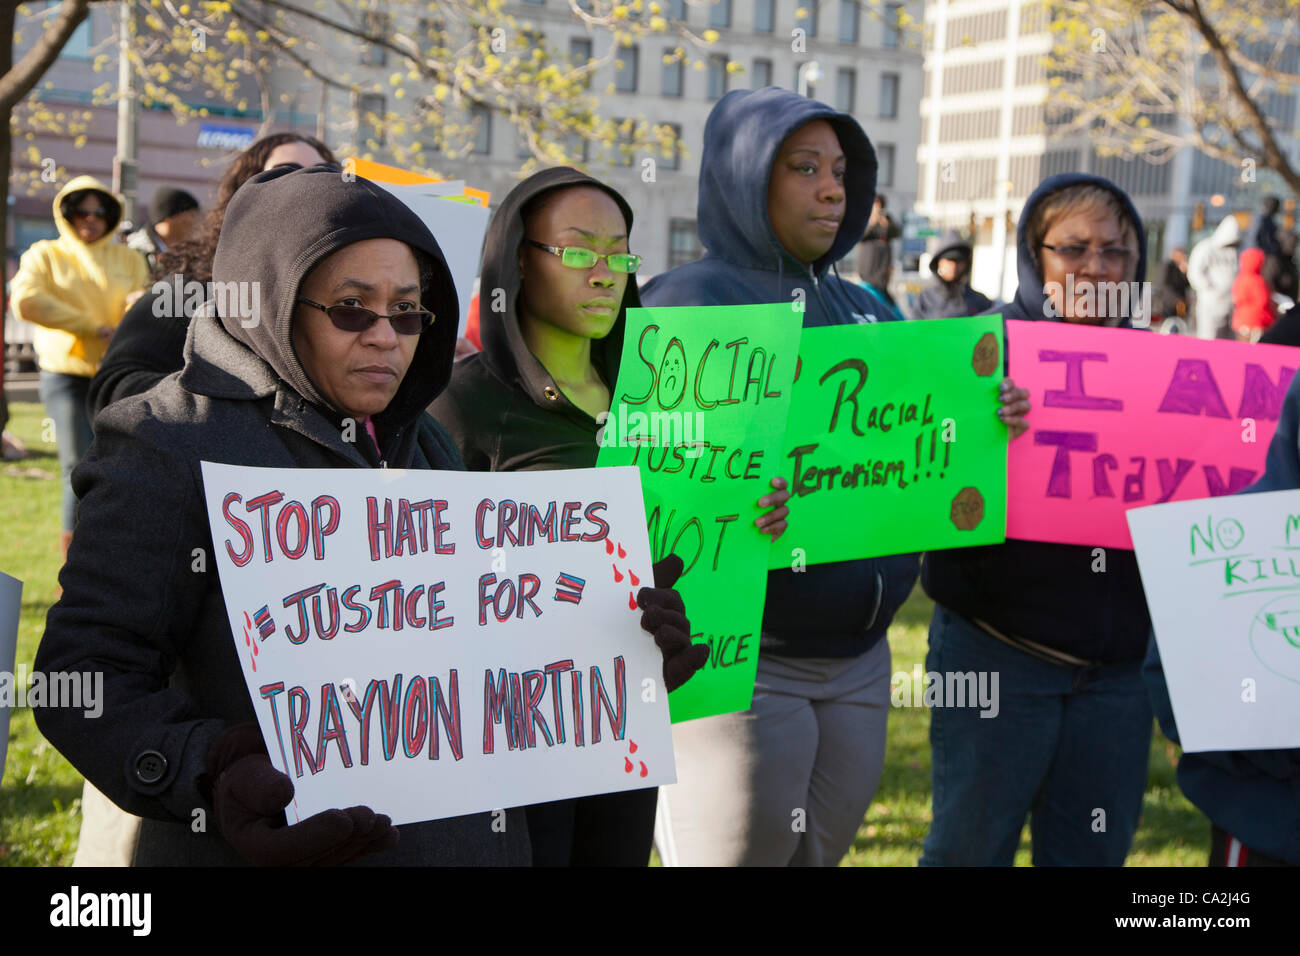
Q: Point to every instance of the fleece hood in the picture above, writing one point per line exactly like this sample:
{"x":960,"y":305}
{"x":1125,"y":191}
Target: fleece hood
{"x":1226,"y":233}
{"x":112,"y":203}
{"x":504,"y":347}
{"x":279,"y":226}
{"x":1029,"y":299}
{"x":743,"y":134}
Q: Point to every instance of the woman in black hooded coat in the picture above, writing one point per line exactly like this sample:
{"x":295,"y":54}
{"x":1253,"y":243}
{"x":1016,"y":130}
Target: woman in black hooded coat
{"x":534,"y":399}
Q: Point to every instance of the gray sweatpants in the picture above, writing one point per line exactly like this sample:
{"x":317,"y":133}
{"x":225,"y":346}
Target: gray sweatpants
{"x":788,"y":781}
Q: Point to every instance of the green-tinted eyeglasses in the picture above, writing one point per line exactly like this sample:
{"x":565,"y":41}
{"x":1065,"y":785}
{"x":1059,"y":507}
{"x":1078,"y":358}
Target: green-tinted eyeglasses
{"x":576,"y":257}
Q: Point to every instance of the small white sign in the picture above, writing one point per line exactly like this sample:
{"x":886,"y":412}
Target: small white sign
{"x":1222,"y":580}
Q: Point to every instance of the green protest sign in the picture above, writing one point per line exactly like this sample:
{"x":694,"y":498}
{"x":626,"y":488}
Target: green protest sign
{"x":893,"y":443}
{"x":700,"y":407}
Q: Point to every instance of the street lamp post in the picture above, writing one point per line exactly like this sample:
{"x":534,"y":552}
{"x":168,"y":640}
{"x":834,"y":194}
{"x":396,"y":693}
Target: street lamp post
{"x":124,"y":163}
{"x":810,"y":74}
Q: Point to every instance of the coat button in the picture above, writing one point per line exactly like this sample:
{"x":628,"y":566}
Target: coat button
{"x":150,"y":766}
{"x":550,"y":392}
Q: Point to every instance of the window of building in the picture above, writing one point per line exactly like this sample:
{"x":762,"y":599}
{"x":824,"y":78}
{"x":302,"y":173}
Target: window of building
{"x":846,"y":83}
{"x":891,"y":35}
{"x":580,"y":55}
{"x":370,"y":119}
{"x":628,"y":60}
{"x":376,"y":24}
{"x":683,"y":243}
{"x":717,"y":76}
{"x":480,"y":118}
{"x":623,"y":142}
{"x":848,"y":21}
{"x":720,"y":14}
{"x":811,"y":92}
{"x":808,"y":22}
{"x":885,"y":164}
{"x":764,"y":16}
{"x":674,"y":74}
{"x":762,"y":75}
{"x":677,"y":9}
{"x":889,"y":95}
{"x":78,"y":45}
{"x":675,"y":160}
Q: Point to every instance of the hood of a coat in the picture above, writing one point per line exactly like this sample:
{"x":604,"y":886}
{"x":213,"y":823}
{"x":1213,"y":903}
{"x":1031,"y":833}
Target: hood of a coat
{"x":742,"y":136}
{"x":1226,"y":233}
{"x":278,"y":227}
{"x":1028,"y":302}
{"x":950,"y":243}
{"x":1252,"y":260}
{"x":112,"y":203}
{"x":504,"y":347}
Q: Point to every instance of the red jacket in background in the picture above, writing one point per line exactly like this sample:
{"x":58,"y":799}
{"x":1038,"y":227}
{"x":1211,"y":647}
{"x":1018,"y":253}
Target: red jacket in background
{"x":1252,"y":303}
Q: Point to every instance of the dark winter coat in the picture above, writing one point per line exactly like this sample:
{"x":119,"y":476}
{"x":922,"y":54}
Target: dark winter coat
{"x":146,"y":348}
{"x":1048,"y":593}
{"x":829,"y":610}
{"x":142,"y":601}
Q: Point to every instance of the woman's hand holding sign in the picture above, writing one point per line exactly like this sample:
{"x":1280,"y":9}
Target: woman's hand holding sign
{"x":773,"y":521}
{"x":1015,"y":406}
{"x":665,"y":618}
{"x":249,"y":796}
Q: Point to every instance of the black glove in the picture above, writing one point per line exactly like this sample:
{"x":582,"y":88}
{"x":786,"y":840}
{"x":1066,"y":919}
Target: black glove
{"x":665,"y":618}
{"x":248,"y":800}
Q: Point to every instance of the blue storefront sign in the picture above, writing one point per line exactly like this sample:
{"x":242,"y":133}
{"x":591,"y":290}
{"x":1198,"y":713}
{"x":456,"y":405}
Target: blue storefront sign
{"x":216,"y":136}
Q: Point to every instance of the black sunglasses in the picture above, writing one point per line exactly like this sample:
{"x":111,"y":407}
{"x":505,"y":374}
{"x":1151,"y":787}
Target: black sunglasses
{"x":353,"y":318}
{"x":98,"y":213}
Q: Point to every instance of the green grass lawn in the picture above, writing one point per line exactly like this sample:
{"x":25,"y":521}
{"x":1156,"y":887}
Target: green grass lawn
{"x":40,"y":793}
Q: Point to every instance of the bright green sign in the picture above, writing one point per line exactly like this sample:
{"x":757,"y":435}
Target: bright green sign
{"x":700,"y":407}
{"x":893,"y":443}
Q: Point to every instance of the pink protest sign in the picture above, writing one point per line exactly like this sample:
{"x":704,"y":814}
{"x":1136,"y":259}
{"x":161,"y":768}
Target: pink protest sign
{"x":1124,"y":418}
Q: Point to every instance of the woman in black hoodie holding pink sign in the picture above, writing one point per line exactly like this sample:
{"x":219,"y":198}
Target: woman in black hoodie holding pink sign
{"x":556,"y":283}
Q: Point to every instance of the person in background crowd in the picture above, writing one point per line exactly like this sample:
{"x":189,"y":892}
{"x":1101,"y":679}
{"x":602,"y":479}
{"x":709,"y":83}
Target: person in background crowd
{"x":150,"y":345}
{"x":1065,"y":636}
{"x":531,"y":400}
{"x":173,"y":214}
{"x":950,"y":294}
{"x":1211,"y":267}
{"x":1262,"y":234}
{"x":786,"y":185}
{"x":875,"y":263}
{"x":1251,"y":797}
{"x":1171,"y":298}
{"x":1253,"y":310}
{"x":881,"y":227}
{"x":1281,"y":273}
{"x":74,"y":288}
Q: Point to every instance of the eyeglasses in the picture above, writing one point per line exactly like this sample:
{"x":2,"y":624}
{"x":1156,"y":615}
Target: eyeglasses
{"x":576,"y":257}
{"x":1113,"y":257}
{"x":353,"y":318}
{"x":98,"y":213}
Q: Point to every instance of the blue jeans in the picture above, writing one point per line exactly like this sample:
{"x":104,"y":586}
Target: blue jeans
{"x":1068,"y":747}
{"x":64,"y":398}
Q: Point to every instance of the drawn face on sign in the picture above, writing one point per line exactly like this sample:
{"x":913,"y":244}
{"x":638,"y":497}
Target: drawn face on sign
{"x":1229,"y":532}
{"x":1275,"y":636}
{"x":672,"y":375}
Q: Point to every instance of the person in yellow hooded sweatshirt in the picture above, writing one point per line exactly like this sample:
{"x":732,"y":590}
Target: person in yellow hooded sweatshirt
{"x":74,"y":290}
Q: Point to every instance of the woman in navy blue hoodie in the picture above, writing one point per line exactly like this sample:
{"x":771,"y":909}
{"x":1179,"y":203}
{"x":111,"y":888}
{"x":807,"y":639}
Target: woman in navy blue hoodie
{"x":786,"y":186}
{"x":1063,"y":628}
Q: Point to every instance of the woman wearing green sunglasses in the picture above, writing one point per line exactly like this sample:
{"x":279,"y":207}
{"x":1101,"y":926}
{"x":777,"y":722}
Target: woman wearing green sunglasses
{"x":556,"y":283}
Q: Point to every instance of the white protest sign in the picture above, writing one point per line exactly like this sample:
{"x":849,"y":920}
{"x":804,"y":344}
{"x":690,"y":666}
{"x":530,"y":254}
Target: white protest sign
{"x":1222,"y":580}
{"x":459,"y":228}
{"x":432,"y":643}
{"x":11,"y":603}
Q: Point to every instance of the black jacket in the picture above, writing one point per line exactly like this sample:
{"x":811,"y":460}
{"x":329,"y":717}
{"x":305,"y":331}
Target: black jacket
{"x":1048,"y":593}
{"x":146,"y":348}
{"x":142,"y":601}
{"x":503,"y":409}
